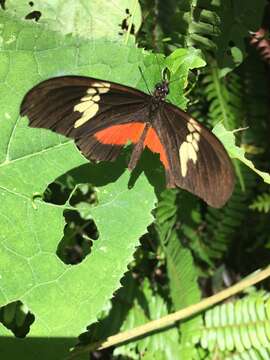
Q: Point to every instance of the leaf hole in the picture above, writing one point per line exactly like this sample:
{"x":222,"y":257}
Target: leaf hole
{"x":78,"y":238}
{"x":33,"y":15}
{"x":31,"y":3}
{"x":16,"y":317}
{"x":58,"y":192}
{"x":65,"y":189}
{"x":125,"y":24}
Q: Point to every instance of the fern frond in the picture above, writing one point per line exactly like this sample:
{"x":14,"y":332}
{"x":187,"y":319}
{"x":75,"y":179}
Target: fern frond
{"x":149,"y":305}
{"x":182,"y":273}
{"x":166,"y":213}
{"x":222,"y":224}
{"x":210,"y":238}
{"x":263,"y":353}
{"x":261,"y":203}
{"x":240,"y":325}
{"x":224,"y":95}
{"x":199,"y":25}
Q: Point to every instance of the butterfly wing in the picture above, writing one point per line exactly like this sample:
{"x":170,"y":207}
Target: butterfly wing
{"x":103,"y":116}
{"x":197,"y":161}
{"x":82,"y":108}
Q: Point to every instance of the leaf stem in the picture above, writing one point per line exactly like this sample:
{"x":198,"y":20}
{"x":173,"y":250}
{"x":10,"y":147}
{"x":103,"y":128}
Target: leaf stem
{"x":134,"y":8}
{"x":171,"y":319}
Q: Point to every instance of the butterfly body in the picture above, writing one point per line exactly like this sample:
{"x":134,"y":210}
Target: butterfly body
{"x":103,"y":117}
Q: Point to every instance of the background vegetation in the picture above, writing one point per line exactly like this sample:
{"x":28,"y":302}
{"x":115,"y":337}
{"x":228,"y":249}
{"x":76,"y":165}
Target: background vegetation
{"x":91,"y":244}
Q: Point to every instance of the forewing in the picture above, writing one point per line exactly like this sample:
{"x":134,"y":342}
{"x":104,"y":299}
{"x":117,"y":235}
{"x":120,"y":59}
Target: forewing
{"x":79,"y":107}
{"x":197,"y":160}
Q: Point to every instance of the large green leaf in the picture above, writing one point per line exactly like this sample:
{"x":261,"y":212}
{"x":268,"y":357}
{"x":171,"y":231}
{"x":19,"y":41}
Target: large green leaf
{"x":88,"y":19}
{"x":63,"y":298}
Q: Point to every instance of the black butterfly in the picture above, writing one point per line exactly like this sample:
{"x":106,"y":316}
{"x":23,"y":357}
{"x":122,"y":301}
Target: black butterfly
{"x":103,"y":116}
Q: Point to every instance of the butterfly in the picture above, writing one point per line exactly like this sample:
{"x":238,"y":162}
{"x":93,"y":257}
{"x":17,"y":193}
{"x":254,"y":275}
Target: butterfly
{"x":103,"y":116}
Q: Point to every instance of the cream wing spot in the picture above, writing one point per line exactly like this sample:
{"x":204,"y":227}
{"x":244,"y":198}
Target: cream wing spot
{"x":86,"y":98}
{"x":101,"y":84}
{"x":103,"y":90}
{"x":195,"y":146}
{"x":183,"y":154}
{"x":91,"y":91}
{"x":83,"y":106}
{"x":190,"y":127}
{"x":195,"y":125}
{"x":87,"y":115}
{"x":186,"y":153}
{"x":88,"y":105}
{"x":91,"y":111}
{"x":96,"y":98}
{"x":196,"y":136}
{"x":192,"y":153}
{"x":189,"y":149}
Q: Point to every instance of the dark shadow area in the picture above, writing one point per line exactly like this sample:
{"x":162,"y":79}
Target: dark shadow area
{"x":99,"y":174}
{"x":150,"y":165}
{"x":36,"y":348}
{"x":102,"y":174}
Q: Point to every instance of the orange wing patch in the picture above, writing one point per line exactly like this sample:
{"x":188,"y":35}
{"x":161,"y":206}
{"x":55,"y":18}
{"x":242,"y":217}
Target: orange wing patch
{"x":121,"y":134}
{"x":153,"y":143}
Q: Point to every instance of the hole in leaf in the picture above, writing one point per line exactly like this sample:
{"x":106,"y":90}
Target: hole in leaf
{"x":3,"y":4}
{"x":125,"y":24}
{"x":33,"y":15}
{"x":84,"y":193}
{"x":31,"y":3}
{"x":65,"y":190}
{"x":59,"y":191}
{"x":78,"y":238}
{"x":16,"y":317}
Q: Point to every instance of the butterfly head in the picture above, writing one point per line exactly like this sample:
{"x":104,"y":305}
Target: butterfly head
{"x":161,"y":90}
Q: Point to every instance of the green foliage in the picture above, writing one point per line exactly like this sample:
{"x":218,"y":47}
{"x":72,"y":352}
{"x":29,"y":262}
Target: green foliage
{"x":80,"y":245}
{"x":218,"y":27}
{"x":149,"y":305}
{"x":220,"y":226}
{"x":182,"y":275}
{"x":238,"y":326}
{"x":224,"y":96}
{"x":261,"y":203}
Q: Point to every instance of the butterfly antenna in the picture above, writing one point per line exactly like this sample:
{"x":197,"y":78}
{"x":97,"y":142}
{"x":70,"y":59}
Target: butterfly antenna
{"x":149,"y":92}
{"x":160,"y":70}
{"x":172,"y":81}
